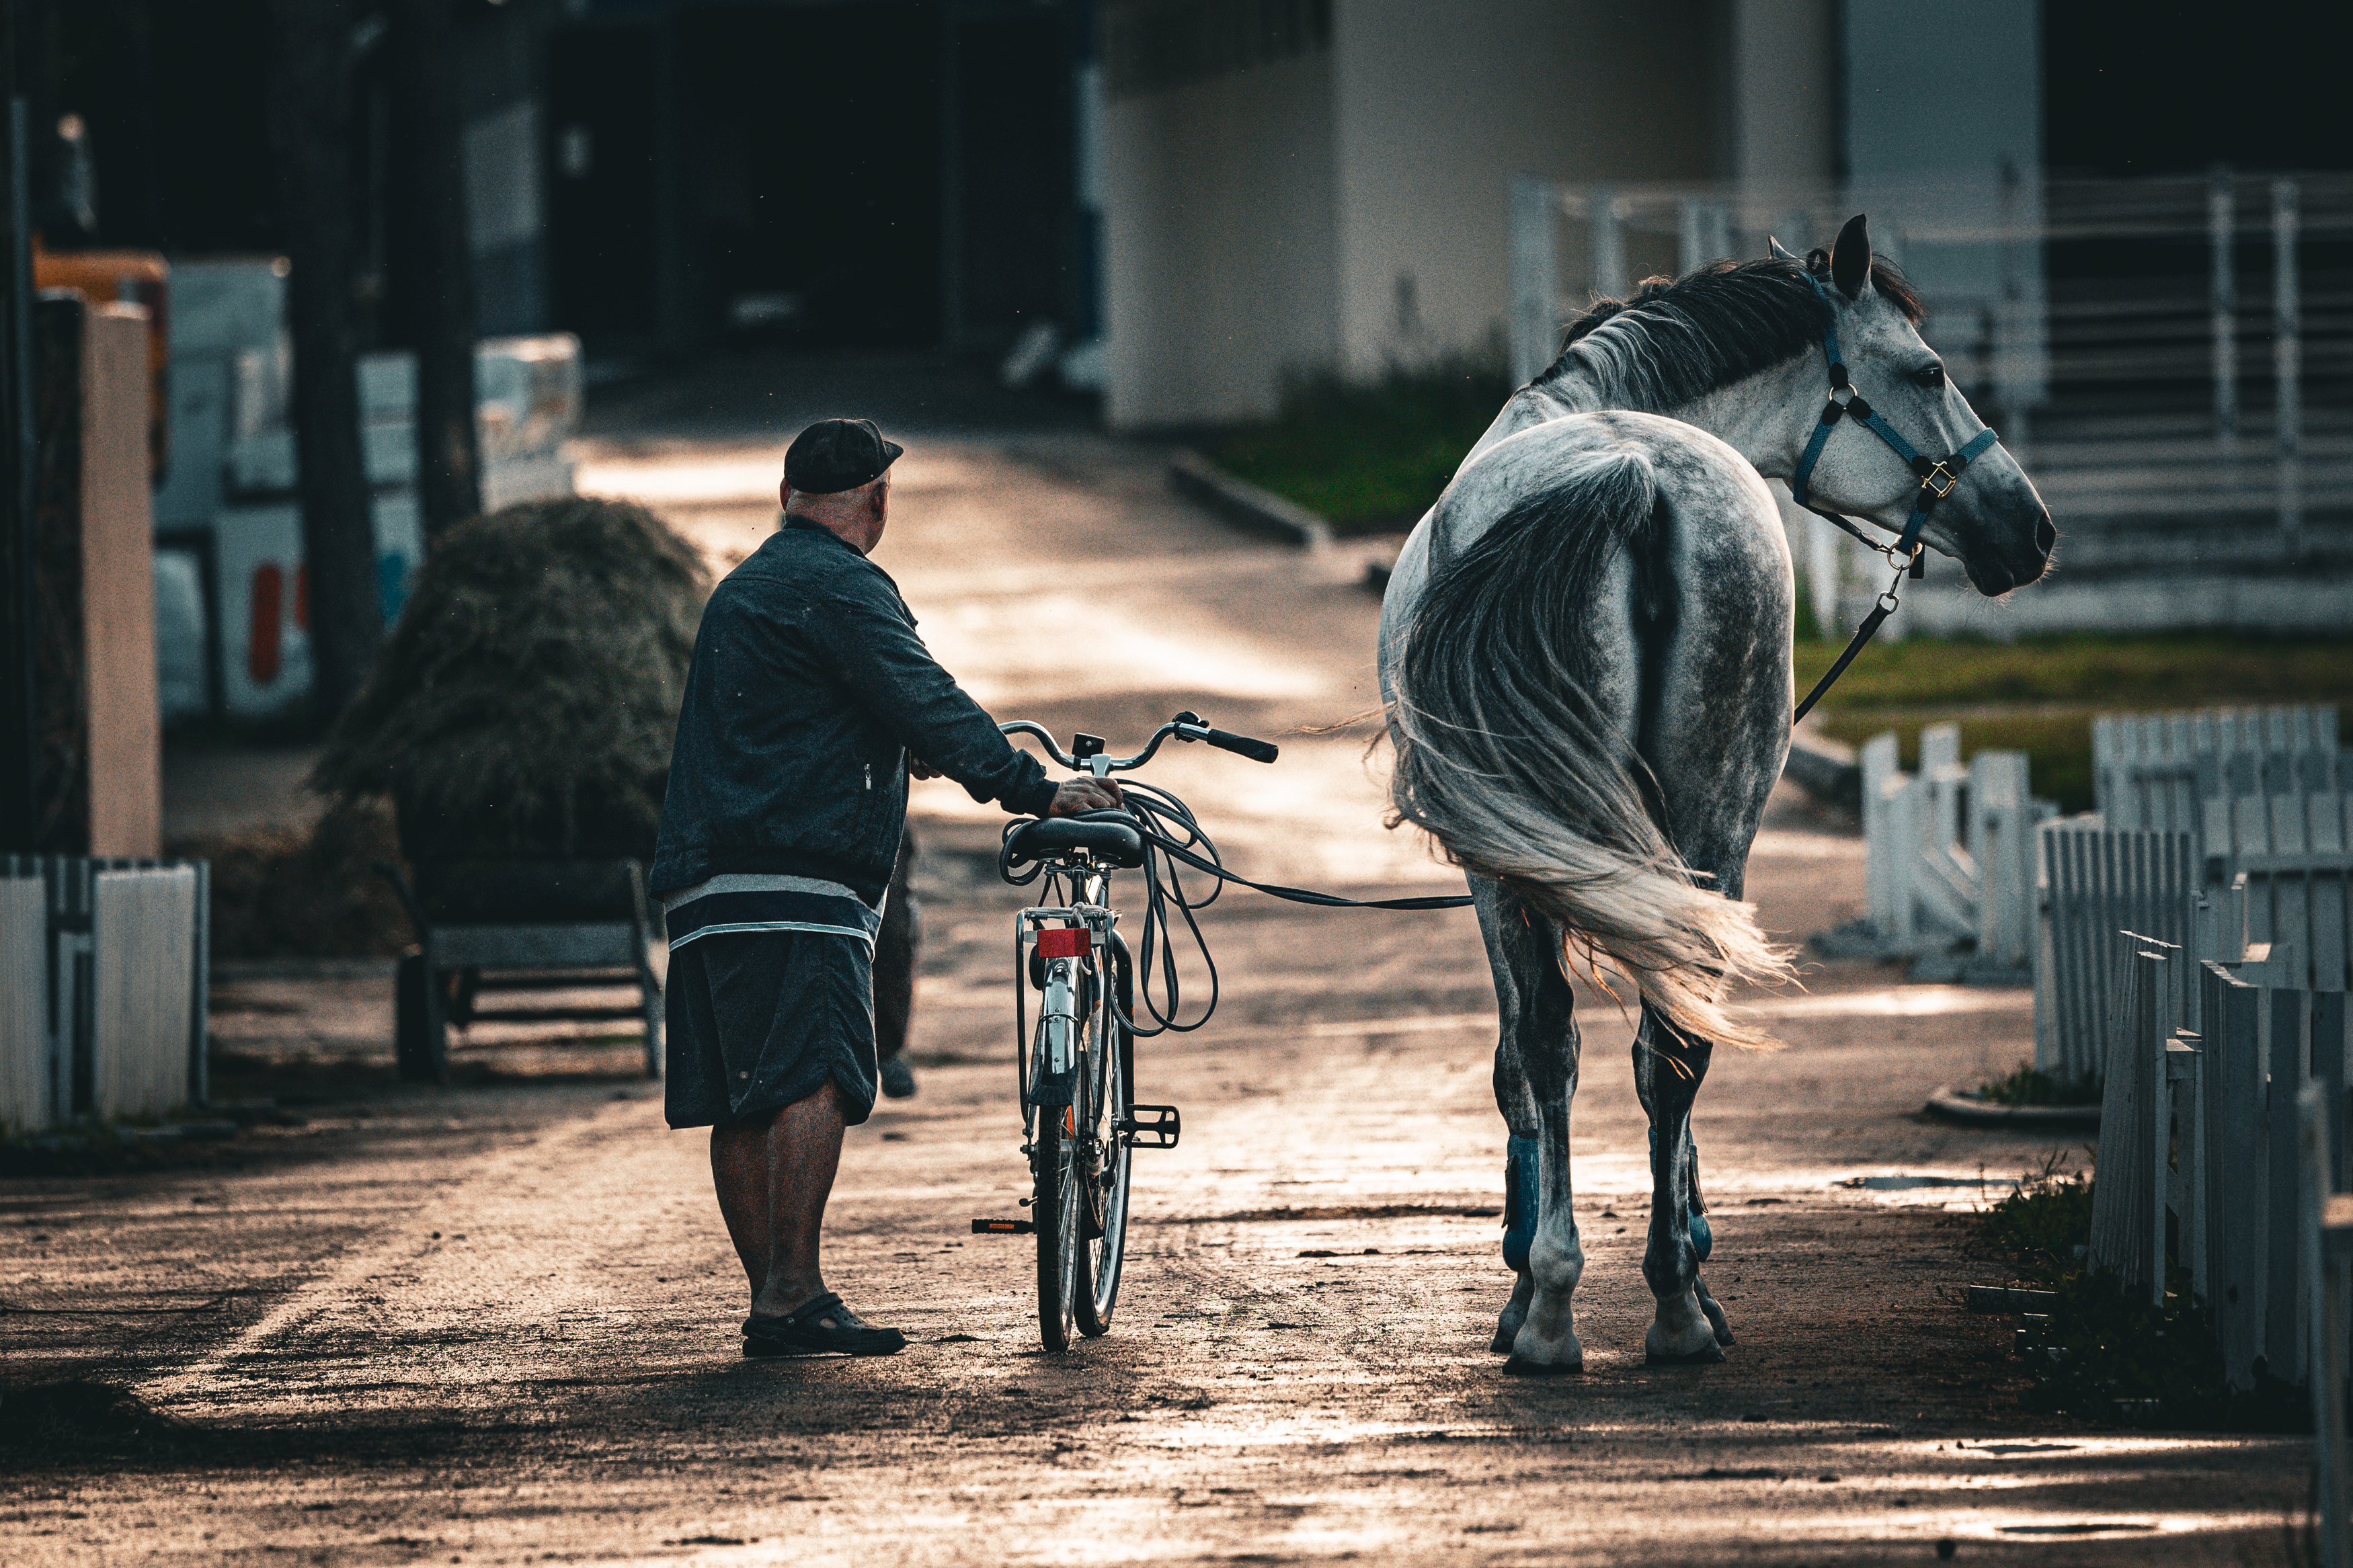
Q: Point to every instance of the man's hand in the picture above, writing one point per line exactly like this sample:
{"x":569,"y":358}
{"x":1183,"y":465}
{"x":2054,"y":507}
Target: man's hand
{"x":918,"y":768}
{"x":1072,"y":796}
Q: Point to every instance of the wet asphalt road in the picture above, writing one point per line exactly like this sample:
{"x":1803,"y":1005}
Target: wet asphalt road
{"x":494,"y":1323}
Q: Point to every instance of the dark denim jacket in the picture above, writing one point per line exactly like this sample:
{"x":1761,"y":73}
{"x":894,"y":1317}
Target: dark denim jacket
{"x":808,"y":688}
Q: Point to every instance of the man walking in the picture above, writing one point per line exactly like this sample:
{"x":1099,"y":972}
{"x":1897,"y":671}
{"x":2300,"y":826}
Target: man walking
{"x":788,"y":793}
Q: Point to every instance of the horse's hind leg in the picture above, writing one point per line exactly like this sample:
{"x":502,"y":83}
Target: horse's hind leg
{"x":1669,"y":1068}
{"x":1536,"y":1079}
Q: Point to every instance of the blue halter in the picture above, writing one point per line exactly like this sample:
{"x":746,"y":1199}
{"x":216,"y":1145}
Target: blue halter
{"x":1938,"y":476}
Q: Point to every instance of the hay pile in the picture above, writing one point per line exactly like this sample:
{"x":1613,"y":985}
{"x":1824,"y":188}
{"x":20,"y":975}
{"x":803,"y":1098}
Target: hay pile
{"x":526,"y":702}
{"x":306,"y":893}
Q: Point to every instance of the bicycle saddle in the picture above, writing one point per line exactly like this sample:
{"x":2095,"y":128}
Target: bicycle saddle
{"x":1110,"y":837}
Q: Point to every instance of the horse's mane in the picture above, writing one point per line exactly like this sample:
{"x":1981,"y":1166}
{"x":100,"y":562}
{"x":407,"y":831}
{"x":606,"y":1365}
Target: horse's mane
{"x":1679,"y":338}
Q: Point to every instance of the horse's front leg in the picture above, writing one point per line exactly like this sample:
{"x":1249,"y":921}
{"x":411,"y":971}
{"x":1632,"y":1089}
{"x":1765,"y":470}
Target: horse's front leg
{"x":1535,"y":1080}
{"x":1669,"y":1068}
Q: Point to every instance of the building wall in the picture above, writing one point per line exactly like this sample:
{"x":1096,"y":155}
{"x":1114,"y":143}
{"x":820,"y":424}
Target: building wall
{"x":1347,"y":208}
{"x":1218,"y":250}
{"x":1438,"y":108}
{"x":1784,"y":84}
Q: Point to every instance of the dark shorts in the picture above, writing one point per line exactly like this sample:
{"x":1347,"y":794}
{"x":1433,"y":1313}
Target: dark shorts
{"x":758,"y":1020}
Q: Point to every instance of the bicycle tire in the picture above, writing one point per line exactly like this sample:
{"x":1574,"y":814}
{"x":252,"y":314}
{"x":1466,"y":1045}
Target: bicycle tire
{"x":1102,"y":1258}
{"x":1055,"y":1220}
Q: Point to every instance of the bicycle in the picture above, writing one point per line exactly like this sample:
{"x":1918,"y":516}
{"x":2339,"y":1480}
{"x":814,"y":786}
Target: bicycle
{"x":1076,"y":1068}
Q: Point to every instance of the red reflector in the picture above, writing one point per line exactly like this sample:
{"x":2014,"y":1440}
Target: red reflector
{"x":1064,"y":941}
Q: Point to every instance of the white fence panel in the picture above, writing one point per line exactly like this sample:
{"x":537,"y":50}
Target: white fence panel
{"x":2159,"y":772}
{"x":1948,"y":854}
{"x":24,"y":1030}
{"x":109,"y":959}
{"x":141,"y":923}
{"x":2101,"y":882}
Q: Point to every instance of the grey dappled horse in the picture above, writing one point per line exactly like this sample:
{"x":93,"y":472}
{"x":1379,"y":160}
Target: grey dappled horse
{"x":1586,"y":651}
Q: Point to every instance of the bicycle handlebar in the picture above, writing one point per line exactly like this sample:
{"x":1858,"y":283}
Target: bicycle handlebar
{"x":1241,"y":745}
{"x":1188,"y":726}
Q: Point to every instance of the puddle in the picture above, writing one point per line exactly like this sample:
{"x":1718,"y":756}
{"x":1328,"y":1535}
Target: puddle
{"x":1898,"y":1002}
{"x":1915,"y":1184}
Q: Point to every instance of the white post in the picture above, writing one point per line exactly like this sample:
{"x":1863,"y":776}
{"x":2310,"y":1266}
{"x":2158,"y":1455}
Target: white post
{"x":1940,"y":759}
{"x":2186,"y":1079}
{"x":1703,"y":234}
{"x":1535,"y":278}
{"x":1608,"y":243}
{"x":2002,"y":843}
{"x":1823,"y":560}
{"x":2223,"y":298}
{"x":1882,"y":878}
{"x":2287,"y":357}
{"x":1691,"y":243}
{"x":2324,"y":1312}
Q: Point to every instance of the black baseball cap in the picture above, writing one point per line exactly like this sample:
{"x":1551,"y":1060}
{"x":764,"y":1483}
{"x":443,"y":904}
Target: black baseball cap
{"x":835,"y":455}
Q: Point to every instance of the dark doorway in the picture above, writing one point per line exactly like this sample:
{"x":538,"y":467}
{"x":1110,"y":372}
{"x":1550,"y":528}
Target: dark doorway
{"x":602,"y":215}
{"x":2172,"y":87}
{"x":1011,"y":206}
{"x":879,"y":173}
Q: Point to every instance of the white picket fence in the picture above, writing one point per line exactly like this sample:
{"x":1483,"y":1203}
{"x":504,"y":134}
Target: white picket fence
{"x":1950,"y":852}
{"x":2214,"y":829}
{"x":2241,"y":1136}
{"x":2202,"y":1125}
{"x":103,"y":988}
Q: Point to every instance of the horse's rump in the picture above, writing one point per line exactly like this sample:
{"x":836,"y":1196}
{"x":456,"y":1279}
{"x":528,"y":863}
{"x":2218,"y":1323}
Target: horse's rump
{"x":1507,"y":759}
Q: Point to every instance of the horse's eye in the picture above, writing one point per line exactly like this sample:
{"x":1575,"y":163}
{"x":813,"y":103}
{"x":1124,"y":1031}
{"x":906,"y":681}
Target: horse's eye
{"x":1931,"y":376}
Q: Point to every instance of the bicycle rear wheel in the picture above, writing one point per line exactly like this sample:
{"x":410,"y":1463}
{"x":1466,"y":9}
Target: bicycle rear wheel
{"x":1056,"y":1214}
{"x":1103,"y":1251}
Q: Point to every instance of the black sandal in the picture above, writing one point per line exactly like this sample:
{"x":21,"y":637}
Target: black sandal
{"x":820,"y":1327}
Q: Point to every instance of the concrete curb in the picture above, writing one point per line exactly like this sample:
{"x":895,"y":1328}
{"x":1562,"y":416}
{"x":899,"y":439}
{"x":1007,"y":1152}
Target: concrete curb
{"x":1244,"y":504}
{"x":1825,"y":770}
{"x":1950,"y":1105}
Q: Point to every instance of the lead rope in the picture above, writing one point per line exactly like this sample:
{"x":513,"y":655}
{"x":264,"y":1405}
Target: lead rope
{"x":1887,"y":604}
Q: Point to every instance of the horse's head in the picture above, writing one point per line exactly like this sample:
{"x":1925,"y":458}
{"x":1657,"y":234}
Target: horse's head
{"x":1988,"y":518}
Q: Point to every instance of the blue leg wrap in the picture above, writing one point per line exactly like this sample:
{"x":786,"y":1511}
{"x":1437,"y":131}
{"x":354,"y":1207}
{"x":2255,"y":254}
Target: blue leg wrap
{"x":1519,"y":1203}
{"x":1701,"y":1234}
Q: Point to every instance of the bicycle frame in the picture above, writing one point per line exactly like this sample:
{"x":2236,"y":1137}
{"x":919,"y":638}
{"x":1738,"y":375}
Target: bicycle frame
{"x":1054,"y":1046}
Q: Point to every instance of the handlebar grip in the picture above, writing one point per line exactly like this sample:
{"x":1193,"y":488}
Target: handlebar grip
{"x":1243,"y":746}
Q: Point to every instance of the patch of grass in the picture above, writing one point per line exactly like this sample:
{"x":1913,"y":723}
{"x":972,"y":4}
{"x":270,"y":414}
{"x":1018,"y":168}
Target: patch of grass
{"x":2064,"y":682}
{"x":2112,"y":673}
{"x":2029,"y":1084}
{"x":2045,"y":1217}
{"x":2104,"y":1353}
{"x":1370,"y":457}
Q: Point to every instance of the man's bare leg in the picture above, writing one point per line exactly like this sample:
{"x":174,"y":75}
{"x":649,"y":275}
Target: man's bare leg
{"x":772,"y":1180}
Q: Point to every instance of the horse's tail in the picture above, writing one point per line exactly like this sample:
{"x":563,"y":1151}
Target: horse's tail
{"x":1510,"y":764}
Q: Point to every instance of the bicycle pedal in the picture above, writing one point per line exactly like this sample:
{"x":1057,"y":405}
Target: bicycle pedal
{"x":1002,"y":1227}
{"x":1163,"y":1128}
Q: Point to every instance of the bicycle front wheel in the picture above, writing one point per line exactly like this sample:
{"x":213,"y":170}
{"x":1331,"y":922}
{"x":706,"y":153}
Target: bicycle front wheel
{"x":1055,"y":1215}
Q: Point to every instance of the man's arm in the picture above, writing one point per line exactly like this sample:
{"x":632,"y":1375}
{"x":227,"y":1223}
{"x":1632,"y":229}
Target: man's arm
{"x":884,"y":663}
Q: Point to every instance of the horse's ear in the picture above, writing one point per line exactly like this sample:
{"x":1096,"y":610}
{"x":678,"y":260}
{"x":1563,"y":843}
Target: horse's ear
{"x":1851,"y":257}
{"x":1777,"y":251}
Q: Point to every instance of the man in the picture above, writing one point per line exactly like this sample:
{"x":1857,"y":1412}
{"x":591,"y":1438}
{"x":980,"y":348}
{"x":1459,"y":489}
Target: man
{"x":787,"y":794}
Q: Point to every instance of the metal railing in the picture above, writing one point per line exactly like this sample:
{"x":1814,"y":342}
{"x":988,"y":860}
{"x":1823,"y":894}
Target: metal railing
{"x":2164,"y":349}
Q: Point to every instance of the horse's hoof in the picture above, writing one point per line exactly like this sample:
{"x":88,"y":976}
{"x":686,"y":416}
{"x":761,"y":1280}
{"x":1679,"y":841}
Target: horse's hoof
{"x":1521,"y":1367}
{"x":1502,"y":1343}
{"x":1715,"y":1319}
{"x":1706,"y":1355}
